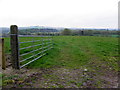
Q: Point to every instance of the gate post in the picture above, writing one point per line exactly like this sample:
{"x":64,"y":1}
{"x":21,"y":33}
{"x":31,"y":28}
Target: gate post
{"x":3,"y":55}
{"x":14,"y":46}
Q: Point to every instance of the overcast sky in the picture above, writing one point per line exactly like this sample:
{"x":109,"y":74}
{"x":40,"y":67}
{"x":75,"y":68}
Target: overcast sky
{"x":59,"y":13}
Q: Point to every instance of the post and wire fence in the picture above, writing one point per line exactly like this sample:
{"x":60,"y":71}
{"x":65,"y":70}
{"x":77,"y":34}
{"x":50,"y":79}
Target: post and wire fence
{"x":29,"y":47}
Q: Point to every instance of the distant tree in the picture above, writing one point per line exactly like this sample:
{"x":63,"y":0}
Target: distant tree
{"x":66,"y":32}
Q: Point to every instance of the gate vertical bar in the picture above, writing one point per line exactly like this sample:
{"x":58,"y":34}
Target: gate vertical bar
{"x":42,"y":41}
{"x":14,"y":46}
{"x":52,"y":39}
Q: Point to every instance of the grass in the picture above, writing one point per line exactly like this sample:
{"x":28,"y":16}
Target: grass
{"x":74,"y":51}
{"x":64,"y":64}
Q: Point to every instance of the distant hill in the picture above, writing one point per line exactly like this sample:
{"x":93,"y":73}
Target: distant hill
{"x":36,"y":29}
{"x":4,"y":30}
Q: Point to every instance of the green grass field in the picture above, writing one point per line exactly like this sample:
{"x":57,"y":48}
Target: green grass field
{"x":64,"y":65}
{"x":75,"y":51}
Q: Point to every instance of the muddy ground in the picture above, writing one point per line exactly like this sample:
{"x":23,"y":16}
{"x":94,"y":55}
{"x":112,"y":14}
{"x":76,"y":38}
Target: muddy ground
{"x":88,"y":76}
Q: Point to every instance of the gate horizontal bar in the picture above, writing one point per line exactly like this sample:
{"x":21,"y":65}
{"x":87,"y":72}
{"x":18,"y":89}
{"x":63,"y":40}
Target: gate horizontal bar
{"x":29,"y":41}
{"x":33,"y":36}
{"x":31,"y":46}
{"x":32,"y":60}
{"x":34,"y":41}
{"x":34,"y":50}
{"x":35,"y":59}
{"x":33,"y":56}
{"x":30,"y":57}
{"x":30,"y":52}
{"x":34,"y":46}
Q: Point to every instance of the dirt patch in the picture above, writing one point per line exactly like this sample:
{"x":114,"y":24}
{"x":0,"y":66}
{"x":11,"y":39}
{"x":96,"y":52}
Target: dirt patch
{"x":104,"y":74}
{"x":59,"y":77}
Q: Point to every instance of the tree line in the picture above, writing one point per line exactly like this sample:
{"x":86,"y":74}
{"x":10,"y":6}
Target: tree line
{"x":88,"y":32}
{"x":67,"y":32}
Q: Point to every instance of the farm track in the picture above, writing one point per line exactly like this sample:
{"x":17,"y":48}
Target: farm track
{"x":62,"y":77}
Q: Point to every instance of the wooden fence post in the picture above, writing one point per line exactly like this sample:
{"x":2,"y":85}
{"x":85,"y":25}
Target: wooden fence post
{"x":3,"y":55}
{"x":14,"y":46}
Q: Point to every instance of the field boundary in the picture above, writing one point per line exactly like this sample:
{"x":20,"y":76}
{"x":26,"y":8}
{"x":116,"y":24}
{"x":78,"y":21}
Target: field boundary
{"x":15,"y":47}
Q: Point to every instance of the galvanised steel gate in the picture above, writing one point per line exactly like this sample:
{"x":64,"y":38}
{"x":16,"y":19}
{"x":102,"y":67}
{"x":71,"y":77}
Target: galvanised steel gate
{"x":26,"y":49}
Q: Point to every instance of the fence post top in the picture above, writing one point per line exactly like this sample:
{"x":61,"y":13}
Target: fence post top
{"x":13,"y":26}
{"x":14,"y":29}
